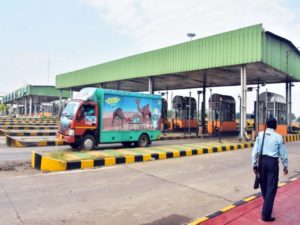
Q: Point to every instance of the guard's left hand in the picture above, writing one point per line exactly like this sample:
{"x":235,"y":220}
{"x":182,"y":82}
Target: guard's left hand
{"x":255,"y":170}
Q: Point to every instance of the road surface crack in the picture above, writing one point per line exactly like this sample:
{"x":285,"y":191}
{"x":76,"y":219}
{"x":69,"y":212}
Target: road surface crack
{"x":12,"y":205}
{"x":179,"y":184}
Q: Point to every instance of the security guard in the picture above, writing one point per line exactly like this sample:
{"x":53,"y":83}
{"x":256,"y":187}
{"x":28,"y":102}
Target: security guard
{"x":273,"y":148}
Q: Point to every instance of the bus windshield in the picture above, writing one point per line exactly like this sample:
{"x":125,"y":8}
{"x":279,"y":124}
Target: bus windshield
{"x":70,"y":109}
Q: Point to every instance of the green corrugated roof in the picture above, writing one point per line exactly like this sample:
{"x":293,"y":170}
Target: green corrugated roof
{"x":243,"y":46}
{"x":35,"y":90}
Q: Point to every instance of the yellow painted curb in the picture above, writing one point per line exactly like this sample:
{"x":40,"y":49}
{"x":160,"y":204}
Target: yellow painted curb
{"x":49,"y":164}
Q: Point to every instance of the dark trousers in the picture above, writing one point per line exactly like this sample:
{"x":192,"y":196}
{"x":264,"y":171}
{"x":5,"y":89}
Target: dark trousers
{"x":268,"y":182}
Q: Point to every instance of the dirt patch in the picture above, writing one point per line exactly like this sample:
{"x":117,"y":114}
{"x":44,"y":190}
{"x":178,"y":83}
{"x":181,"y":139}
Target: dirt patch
{"x":16,"y":168}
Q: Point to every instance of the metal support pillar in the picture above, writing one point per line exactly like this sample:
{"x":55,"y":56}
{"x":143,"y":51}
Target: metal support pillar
{"x":25,"y":106}
{"x":71,"y":93}
{"x":288,"y":96}
{"x":287,"y":102}
{"x":151,"y":85}
{"x":167,"y":96}
{"x":290,"y":107}
{"x":203,"y":106}
{"x":30,"y":105}
{"x":243,"y":102}
{"x":18,"y":110}
{"x":190,"y":117}
{"x":198,"y":105}
{"x":257,"y":110}
{"x":240,"y":111}
{"x":60,"y":103}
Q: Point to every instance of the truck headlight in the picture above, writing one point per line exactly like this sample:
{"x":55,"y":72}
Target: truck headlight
{"x":71,"y":132}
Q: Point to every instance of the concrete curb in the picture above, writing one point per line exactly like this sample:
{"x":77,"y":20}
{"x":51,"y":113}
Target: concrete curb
{"x":28,"y":121}
{"x":9,"y":133}
{"x":29,"y":127}
{"x":40,"y":161}
{"x":11,"y":142}
{"x":236,"y":204}
{"x":292,"y":137}
{"x":177,"y":138}
{"x":4,"y":129}
{"x":28,"y":124}
{"x":289,"y":138}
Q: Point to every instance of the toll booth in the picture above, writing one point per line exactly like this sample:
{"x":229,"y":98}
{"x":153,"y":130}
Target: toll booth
{"x":180,"y":110}
{"x":221,"y":114}
{"x":272,"y":105}
{"x":46,"y":109}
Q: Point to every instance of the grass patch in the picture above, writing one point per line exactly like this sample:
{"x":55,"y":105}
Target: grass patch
{"x":59,"y":154}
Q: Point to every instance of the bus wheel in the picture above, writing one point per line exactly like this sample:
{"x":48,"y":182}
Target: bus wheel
{"x":88,"y":142}
{"x":143,"y":141}
{"x":75,"y":145}
{"x":127,"y":144}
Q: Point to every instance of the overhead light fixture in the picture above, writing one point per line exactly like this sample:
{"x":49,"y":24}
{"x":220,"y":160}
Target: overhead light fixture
{"x":191,"y":35}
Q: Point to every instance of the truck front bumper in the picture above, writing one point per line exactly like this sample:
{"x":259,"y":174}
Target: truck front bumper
{"x":65,"y":138}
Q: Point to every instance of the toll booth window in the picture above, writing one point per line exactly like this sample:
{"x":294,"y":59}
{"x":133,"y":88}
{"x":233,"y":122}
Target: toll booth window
{"x":228,"y":112}
{"x":281,"y":113}
{"x":276,"y":110}
{"x":224,"y":111}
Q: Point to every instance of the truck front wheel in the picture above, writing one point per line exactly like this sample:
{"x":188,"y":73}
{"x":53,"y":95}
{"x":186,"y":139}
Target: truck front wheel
{"x":88,"y":142}
{"x":143,"y":141}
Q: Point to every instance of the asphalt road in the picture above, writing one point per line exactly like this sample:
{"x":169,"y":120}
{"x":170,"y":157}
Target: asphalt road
{"x":172,"y":191}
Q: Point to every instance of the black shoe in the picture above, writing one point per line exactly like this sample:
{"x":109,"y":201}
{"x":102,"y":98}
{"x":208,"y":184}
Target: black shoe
{"x":271,"y":219}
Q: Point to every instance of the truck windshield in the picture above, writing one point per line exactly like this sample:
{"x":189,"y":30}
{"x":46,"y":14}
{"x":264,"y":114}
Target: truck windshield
{"x":70,"y":110}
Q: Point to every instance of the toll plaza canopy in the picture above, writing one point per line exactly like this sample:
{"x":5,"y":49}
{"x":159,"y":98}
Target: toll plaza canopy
{"x":38,"y":92}
{"x":211,"y":61}
{"x":31,"y":97}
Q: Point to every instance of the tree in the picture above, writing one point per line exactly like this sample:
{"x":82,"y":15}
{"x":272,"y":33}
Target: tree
{"x":298,"y":119}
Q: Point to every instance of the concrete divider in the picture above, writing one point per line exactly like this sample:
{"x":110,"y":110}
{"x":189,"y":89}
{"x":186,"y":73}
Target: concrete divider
{"x":28,"y":133}
{"x":27,"y":128}
{"x":29,"y":121}
{"x":45,"y":163}
{"x":137,"y":156}
{"x":29,"y":124}
{"x":92,"y":159}
{"x":162,"y":138}
{"x":13,"y":142}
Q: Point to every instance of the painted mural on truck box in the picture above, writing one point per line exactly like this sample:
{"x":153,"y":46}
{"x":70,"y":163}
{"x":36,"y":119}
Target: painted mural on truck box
{"x":131,"y":113}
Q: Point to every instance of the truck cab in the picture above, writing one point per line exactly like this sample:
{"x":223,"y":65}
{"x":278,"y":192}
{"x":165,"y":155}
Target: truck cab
{"x":79,"y":124}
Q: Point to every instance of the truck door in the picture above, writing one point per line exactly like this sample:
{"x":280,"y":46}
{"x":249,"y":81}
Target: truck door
{"x":87,"y":118}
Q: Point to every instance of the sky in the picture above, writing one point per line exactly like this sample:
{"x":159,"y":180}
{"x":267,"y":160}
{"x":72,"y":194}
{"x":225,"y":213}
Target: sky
{"x":40,"y":39}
